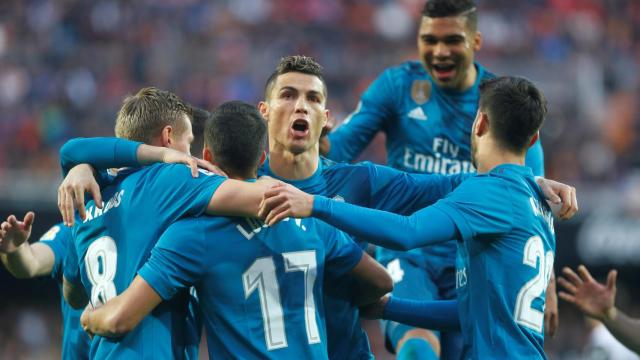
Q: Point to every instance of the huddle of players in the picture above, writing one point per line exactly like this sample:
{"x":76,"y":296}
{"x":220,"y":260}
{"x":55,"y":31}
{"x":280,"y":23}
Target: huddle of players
{"x":148,"y":298}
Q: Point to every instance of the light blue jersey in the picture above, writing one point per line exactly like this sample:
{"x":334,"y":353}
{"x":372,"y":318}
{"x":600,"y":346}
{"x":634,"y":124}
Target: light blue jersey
{"x":506,"y":247}
{"x":114,"y":242}
{"x":427,"y":130}
{"x":375,"y":186}
{"x":75,"y":341}
{"x":505,"y":257}
{"x":260,"y":288}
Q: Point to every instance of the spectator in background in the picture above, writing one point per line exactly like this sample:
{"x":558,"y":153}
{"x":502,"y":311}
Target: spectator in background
{"x":598,"y":301}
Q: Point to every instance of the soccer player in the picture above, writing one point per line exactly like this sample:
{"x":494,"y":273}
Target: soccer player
{"x":426,"y":109}
{"x":260,"y":288}
{"x":44,"y":258}
{"x":112,"y":241}
{"x":295,"y":111}
{"x":598,"y":301}
{"x":294,"y":107}
{"x":503,"y":226}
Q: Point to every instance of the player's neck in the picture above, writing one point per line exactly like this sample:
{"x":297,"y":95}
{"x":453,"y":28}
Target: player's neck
{"x":472,"y":76}
{"x":492,"y":155}
{"x":288,"y":165}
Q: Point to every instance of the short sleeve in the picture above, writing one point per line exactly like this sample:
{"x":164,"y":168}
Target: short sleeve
{"x":481,"y":208}
{"x":342,"y":253}
{"x":178,"y":194}
{"x":71,"y":267}
{"x":178,"y":259}
{"x":58,"y":238}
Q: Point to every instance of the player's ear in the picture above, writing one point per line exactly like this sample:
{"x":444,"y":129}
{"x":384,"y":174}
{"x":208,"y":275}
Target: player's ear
{"x":482,"y":125}
{"x":167,"y":136}
{"x":477,"y":41}
{"x":534,"y":138}
{"x":264,"y":109}
{"x":263,"y":157}
{"x":327,"y":113}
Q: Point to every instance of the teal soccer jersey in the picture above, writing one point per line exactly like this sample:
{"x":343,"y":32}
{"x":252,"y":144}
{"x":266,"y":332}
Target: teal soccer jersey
{"x":114,"y":242}
{"x":504,"y":261}
{"x":506,"y":247}
{"x":375,"y":186}
{"x":260,"y":288}
{"x":75,"y":341}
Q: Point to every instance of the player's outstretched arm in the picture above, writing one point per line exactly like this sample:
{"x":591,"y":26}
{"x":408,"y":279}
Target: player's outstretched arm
{"x":106,"y":153}
{"x":425,"y":227}
{"x":240,"y":198}
{"x":598,"y":301}
{"x":435,"y":315}
{"x":122,"y":313}
{"x":23,"y":260}
{"x":373,"y":281}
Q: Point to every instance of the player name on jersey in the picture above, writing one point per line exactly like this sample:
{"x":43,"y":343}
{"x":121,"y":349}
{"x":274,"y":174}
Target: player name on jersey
{"x":252,"y":227}
{"x":541,"y":211}
{"x":94,"y":211}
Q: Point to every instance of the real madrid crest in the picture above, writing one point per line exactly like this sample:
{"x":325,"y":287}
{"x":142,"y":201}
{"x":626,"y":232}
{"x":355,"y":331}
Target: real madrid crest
{"x":421,"y":91}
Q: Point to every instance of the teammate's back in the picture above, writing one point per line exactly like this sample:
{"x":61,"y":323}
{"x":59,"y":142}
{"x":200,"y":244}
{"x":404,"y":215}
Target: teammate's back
{"x":260,"y":288}
{"x":112,"y":243}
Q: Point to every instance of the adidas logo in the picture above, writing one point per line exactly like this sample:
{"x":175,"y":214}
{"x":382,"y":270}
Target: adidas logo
{"x":417,"y":114}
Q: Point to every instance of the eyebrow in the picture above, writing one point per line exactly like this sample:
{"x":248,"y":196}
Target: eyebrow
{"x":311,"y":92}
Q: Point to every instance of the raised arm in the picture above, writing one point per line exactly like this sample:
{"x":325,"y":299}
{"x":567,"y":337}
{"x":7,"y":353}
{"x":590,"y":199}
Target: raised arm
{"x":23,"y":260}
{"x":357,"y":130}
{"x":598,"y":301}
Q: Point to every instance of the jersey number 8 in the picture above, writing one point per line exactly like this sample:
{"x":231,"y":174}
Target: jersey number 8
{"x":101,"y":261}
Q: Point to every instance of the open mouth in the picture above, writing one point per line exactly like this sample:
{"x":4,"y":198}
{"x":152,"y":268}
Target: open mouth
{"x":300,"y":128}
{"x":443,"y":71}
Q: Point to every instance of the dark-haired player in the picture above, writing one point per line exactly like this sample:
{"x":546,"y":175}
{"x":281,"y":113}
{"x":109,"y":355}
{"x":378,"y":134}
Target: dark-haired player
{"x":426,"y":109}
{"x":260,"y":287}
{"x":499,"y":217}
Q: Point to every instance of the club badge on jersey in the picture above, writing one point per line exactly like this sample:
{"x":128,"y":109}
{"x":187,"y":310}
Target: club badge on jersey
{"x":421,"y":91}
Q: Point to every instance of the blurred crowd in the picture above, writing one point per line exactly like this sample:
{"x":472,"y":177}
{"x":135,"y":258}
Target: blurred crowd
{"x":66,"y":65}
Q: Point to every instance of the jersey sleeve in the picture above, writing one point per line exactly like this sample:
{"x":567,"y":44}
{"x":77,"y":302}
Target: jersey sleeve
{"x":535,"y":159}
{"x":178,"y":194}
{"x":404,"y":193}
{"x":342,"y":253}
{"x":481,"y":208}
{"x":374,"y":109}
{"x":71,"y":268}
{"x":101,"y":153}
{"x":178,"y":259}
{"x":426,"y":227}
{"x":58,"y":238}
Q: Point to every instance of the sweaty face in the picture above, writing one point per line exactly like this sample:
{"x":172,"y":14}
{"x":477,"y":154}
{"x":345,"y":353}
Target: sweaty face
{"x":296,"y":112}
{"x":446,"y":48}
{"x":182,"y":139}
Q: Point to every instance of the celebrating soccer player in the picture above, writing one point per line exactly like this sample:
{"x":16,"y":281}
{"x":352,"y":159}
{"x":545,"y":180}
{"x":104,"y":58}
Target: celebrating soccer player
{"x":502,"y":224}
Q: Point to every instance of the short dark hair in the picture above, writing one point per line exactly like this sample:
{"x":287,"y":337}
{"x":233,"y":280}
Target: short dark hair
{"x":236,"y":134}
{"x":295,"y":63}
{"x":446,"y":8}
{"x":516,"y":110}
{"x":199,"y":118}
{"x":143,"y":115}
